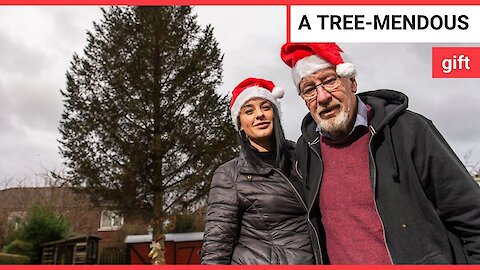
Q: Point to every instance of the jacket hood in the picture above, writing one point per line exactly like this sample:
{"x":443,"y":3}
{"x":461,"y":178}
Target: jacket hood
{"x":386,"y":104}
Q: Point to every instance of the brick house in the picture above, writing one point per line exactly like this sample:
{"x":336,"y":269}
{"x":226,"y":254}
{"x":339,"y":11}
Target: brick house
{"x":83,"y":217}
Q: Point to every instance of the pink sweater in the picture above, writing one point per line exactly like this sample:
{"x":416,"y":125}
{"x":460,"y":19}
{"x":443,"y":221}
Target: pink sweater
{"x":353,"y":228}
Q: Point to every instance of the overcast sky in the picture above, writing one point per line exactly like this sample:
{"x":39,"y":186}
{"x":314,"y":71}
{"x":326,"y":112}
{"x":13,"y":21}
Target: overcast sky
{"x":37,"y":44}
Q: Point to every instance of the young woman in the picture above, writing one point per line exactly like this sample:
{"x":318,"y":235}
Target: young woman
{"x":255,"y":212}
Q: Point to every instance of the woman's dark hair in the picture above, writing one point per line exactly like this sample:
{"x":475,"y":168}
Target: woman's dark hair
{"x":282,"y":155}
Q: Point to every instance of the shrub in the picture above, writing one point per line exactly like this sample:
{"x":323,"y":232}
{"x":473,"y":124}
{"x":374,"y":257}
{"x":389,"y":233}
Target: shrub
{"x":183,"y":223}
{"x":42,"y":225}
{"x":18,"y":247}
{"x":13,"y":259}
{"x":7,"y":230}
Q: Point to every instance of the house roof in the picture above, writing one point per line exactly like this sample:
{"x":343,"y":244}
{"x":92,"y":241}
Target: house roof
{"x":22,"y":198}
{"x":19,"y":199}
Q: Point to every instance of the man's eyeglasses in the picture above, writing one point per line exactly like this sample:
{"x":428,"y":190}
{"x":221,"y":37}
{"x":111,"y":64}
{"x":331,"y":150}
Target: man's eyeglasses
{"x":329,"y":85}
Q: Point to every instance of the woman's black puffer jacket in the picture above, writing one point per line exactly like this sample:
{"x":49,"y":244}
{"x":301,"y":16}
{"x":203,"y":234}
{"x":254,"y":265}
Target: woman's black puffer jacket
{"x":255,"y":216}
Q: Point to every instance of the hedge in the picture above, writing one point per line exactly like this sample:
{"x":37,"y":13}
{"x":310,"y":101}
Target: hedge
{"x":6,"y":258}
{"x":18,"y":247}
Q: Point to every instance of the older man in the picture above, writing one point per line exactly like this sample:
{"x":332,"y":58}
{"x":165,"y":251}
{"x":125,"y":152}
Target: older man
{"x":382,"y":184}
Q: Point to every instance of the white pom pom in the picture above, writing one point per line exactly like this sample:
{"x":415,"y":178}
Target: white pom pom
{"x":278,"y":92}
{"x":346,"y":70}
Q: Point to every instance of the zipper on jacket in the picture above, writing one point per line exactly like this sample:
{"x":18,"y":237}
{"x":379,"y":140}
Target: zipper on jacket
{"x":291,"y":185}
{"x":314,"y":142}
{"x":298,"y":172}
{"x":310,"y":144}
{"x":372,"y":131}
{"x":304,"y":205}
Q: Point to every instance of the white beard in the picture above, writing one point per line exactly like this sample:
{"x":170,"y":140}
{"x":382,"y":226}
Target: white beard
{"x":335,"y":124}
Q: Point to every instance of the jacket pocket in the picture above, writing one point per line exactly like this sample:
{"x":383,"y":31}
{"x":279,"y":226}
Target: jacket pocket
{"x":436,"y":257}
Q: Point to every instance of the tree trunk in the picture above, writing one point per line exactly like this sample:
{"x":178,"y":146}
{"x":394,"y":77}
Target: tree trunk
{"x":157,"y":252}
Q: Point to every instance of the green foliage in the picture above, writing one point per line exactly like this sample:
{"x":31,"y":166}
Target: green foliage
{"x":19,"y":247}
{"x":142,"y":125}
{"x":42,"y":225}
{"x":13,"y":259}
{"x":7,"y":231}
{"x":187,"y":223}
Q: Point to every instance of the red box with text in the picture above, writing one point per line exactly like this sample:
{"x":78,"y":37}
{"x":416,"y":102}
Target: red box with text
{"x":456,"y":62}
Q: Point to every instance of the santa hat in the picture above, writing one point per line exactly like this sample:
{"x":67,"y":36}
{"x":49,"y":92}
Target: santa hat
{"x":308,"y":58}
{"x":252,"y":88}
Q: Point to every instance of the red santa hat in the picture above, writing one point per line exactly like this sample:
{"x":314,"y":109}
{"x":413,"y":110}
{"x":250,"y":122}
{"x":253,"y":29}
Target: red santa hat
{"x":253,"y":88}
{"x":308,"y":58}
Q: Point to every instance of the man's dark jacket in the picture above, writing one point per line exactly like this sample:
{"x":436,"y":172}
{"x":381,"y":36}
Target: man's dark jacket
{"x":428,"y":203}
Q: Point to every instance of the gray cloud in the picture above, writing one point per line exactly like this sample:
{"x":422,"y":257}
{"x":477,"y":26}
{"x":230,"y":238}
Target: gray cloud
{"x":36,"y":45}
{"x":17,"y":59}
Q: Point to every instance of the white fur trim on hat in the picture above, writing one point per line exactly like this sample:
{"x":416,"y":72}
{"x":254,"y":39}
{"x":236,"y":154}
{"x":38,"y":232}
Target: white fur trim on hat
{"x":346,"y":70}
{"x":249,"y":93}
{"x":307,"y":66}
{"x":278,"y":92}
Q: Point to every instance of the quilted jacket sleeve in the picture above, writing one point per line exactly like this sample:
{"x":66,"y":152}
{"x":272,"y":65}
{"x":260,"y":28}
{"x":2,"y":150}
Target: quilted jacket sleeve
{"x":223,"y":217}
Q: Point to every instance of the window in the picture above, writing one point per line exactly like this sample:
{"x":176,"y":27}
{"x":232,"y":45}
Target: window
{"x":111,"y":220}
